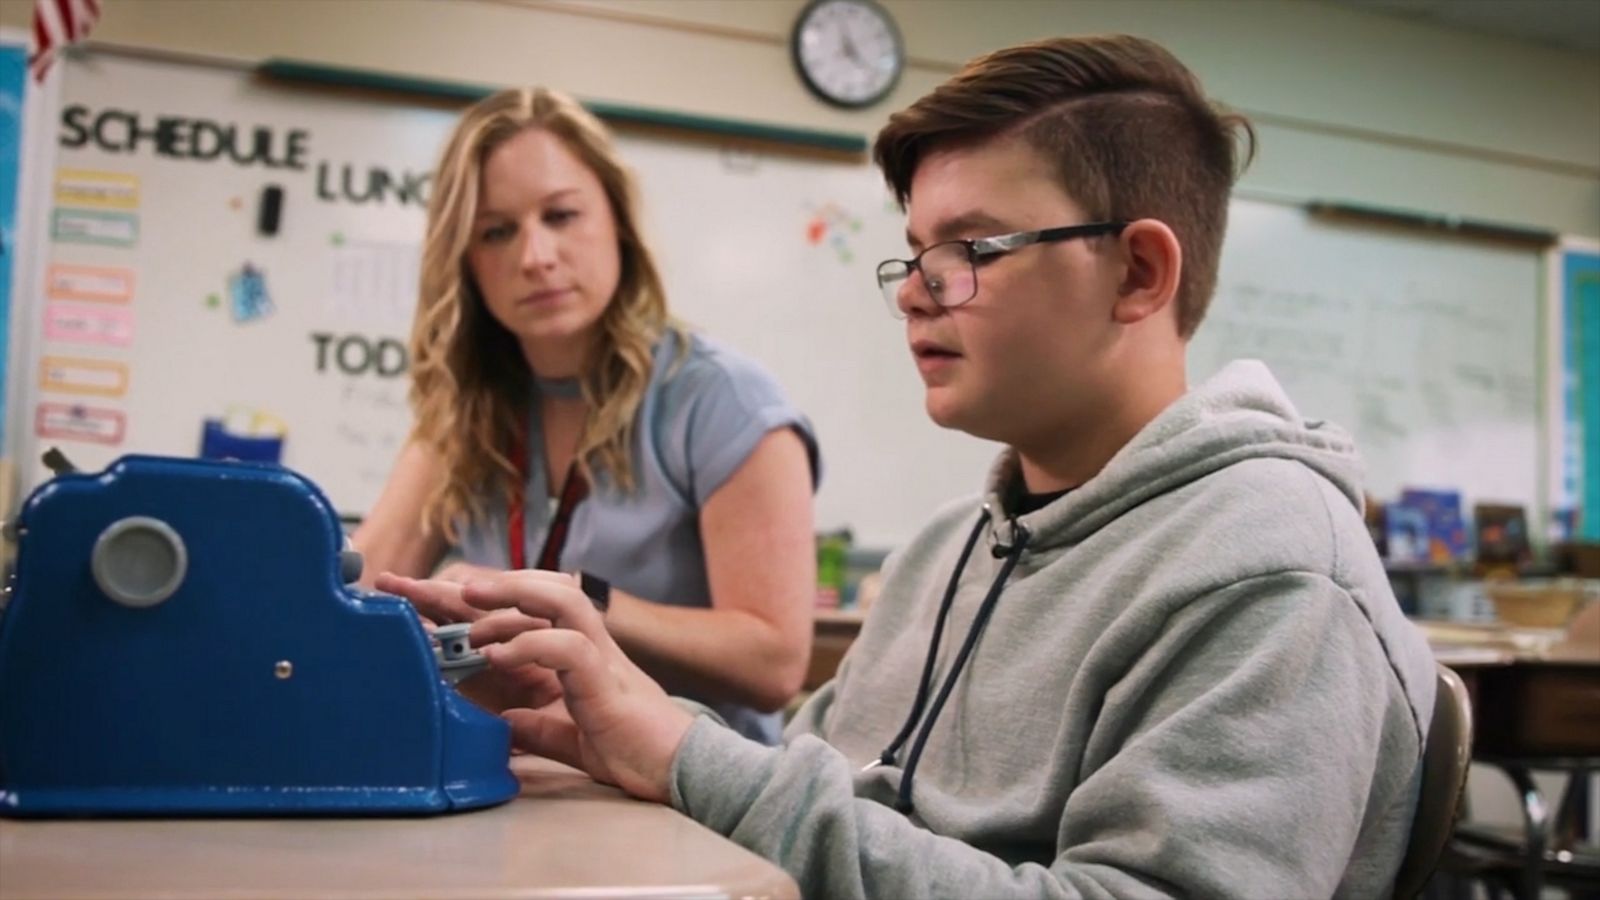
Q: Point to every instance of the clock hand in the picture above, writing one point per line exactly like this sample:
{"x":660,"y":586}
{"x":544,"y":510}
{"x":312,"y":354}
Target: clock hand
{"x":850,"y":47}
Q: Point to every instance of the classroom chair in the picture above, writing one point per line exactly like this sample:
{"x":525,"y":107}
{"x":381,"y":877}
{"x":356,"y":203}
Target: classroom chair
{"x":1444,"y":776}
{"x":1547,"y":851}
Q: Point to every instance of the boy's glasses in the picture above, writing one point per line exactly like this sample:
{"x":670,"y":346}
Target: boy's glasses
{"x":950,"y":269}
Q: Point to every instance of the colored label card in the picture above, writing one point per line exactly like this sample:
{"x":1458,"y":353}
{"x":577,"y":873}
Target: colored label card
{"x":104,"y":285}
{"x":72,"y":375}
{"x":108,"y":326}
{"x":73,"y":422}
{"x":87,"y":226}
{"x":97,"y":190}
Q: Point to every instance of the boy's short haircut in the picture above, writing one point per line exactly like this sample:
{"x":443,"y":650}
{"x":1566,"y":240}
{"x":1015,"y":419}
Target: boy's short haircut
{"x":1128,"y":126}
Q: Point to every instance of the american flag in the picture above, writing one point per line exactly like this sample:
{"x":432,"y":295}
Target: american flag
{"x":57,"y":23}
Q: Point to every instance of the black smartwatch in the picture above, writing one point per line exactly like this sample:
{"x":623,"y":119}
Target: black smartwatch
{"x":597,"y":589}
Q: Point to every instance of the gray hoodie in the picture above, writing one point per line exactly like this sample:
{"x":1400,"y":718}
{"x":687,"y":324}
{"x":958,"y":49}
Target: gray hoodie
{"x":1194,"y":681}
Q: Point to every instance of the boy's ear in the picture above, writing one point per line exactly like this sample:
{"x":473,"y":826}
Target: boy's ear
{"x":1152,"y":261}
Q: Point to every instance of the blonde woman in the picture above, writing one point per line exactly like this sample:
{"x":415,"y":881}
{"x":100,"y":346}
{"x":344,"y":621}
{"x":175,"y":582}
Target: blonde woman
{"x":564,"y":421}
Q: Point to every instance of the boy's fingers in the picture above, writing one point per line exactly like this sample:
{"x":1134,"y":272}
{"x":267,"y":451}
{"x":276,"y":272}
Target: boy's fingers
{"x":388,"y":582}
{"x":552,"y":596}
{"x":461,"y":572}
{"x":440,"y":601}
{"x":547,"y":732}
{"x":503,"y":625}
{"x":542,"y":686}
{"x":584,"y":674}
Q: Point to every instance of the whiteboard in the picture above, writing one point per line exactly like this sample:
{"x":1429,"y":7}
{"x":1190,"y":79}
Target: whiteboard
{"x":1425,"y":347}
{"x":770,"y":254}
{"x":136,"y":336}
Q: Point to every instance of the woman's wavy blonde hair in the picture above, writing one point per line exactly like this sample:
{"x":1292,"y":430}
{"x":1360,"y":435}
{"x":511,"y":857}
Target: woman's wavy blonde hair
{"x":470,"y":384}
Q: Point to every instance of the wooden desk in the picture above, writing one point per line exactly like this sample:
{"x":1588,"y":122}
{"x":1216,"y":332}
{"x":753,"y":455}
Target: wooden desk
{"x":566,"y":836}
{"x":1533,"y":695}
{"x":1536,"y":707}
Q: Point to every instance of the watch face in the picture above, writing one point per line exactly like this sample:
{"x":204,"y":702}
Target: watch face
{"x":848,"y":51}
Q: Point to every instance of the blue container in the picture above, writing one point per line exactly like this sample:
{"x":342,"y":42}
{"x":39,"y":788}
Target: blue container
{"x":179,"y":641}
{"x":217,"y":442}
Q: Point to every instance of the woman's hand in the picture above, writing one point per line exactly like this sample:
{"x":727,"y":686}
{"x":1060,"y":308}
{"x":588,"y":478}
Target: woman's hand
{"x":495,"y":689}
{"x":614,"y":721}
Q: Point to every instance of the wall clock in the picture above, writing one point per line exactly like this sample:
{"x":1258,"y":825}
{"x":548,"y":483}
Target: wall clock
{"x":848,"y":52}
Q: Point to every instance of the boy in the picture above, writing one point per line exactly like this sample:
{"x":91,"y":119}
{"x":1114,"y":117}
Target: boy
{"x":1159,"y":657}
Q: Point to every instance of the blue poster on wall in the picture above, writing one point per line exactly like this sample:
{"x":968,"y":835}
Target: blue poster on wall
{"x":1580,"y":294}
{"x":13,"y":79}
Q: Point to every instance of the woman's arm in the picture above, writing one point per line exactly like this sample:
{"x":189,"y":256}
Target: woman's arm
{"x":391,"y":538}
{"x":754,"y":643}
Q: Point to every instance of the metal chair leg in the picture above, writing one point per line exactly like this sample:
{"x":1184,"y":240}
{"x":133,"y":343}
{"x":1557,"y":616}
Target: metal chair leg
{"x":1571,"y":825}
{"x":1536,"y":820}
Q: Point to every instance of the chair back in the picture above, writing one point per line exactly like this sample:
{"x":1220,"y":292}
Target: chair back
{"x":1444,"y":776}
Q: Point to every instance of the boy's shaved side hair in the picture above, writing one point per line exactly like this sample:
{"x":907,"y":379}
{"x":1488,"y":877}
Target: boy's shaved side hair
{"x":1127,"y":126}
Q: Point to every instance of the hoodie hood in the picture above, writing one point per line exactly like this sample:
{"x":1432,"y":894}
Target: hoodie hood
{"x":1238,"y":414}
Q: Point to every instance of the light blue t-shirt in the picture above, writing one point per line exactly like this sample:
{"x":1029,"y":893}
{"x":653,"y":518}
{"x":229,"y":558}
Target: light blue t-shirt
{"x":702,"y":415}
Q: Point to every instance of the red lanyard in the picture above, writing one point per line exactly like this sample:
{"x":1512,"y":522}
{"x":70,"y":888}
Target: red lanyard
{"x":573,"y":490}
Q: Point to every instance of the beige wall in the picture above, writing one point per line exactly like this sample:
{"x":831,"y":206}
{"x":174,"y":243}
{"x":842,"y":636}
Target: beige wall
{"x":1352,"y":105}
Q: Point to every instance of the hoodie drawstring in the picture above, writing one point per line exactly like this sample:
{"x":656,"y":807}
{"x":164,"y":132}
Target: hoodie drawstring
{"x":1012,"y":552}
{"x":886,"y":758}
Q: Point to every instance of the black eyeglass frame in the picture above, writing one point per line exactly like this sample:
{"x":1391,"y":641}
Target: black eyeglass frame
{"x":997,"y":245}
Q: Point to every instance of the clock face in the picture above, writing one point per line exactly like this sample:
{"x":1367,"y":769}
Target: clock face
{"x":848,"y":51}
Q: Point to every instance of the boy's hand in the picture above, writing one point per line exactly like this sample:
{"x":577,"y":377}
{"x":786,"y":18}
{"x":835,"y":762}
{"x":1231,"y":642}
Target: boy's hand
{"x":495,"y":689}
{"x":615,"y":722}
{"x":435,"y":599}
